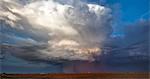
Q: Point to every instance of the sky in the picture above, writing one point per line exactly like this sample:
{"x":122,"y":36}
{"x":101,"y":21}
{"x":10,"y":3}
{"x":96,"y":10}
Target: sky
{"x":130,"y":10}
{"x":125,"y":13}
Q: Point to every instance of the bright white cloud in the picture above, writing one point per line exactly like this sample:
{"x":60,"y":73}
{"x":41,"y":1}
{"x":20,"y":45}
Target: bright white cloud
{"x":73,"y":29}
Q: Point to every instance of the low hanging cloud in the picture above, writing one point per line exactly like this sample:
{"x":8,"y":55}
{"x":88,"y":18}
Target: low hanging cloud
{"x":137,"y":38}
{"x":61,"y":29}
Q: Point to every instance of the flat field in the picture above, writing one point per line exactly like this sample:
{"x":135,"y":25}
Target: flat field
{"x":78,"y":76}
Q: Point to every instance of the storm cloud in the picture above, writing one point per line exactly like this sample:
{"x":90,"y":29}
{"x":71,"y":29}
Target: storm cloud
{"x":54,"y":29}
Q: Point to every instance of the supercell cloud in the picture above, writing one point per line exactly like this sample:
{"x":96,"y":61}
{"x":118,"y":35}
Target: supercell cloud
{"x":61,"y":29}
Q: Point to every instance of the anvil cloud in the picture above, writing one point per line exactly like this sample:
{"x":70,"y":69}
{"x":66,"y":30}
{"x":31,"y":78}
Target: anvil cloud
{"x":63,"y":29}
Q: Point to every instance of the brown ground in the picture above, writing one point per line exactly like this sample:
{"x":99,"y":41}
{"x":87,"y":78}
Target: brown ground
{"x":79,"y":76}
